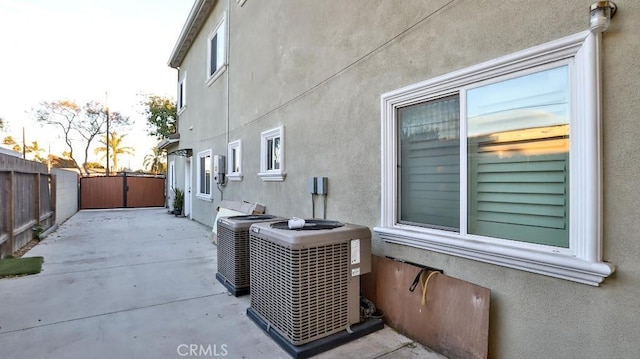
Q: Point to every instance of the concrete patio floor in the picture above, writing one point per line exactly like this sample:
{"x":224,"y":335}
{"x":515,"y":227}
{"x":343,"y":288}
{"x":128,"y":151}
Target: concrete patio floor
{"x":141,"y":284}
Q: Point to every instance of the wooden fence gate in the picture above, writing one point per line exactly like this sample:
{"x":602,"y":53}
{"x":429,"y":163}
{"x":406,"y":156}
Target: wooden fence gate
{"x":121,"y":191}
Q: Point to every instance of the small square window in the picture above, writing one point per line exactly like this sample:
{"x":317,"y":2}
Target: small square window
{"x":234,"y":163}
{"x":272,"y":155}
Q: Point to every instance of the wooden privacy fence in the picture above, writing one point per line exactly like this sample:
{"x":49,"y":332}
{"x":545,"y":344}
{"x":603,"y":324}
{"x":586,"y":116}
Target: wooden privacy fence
{"x":26,"y":198}
{"x":122,"y":191}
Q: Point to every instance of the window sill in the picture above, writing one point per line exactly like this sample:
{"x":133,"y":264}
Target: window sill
{"x":550,"y":264}
{"x":204,"y":197}
{"x":215,"y":75}
{"x":181,"y":110}
{"x":234,"y":177}
{"x":272,"y":176}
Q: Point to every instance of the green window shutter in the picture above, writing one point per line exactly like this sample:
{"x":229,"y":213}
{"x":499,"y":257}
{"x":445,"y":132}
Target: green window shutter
{"x":429,"y":160}
{"x":519,"y":190}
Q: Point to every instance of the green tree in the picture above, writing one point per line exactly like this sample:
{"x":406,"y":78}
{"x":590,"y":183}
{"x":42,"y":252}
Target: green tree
{"x":115,"y":148}
{"x":154,"y":161}
{"x":1,"y":124}
{"x":161,"y":114}
{"x":60,"y":114}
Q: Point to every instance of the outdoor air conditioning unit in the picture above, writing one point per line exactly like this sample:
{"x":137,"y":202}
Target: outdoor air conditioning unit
{"x":233,"y":251}
{"x":305,"y":283}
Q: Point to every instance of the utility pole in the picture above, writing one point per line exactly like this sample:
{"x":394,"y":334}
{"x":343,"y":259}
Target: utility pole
{"x":107,"y":140}
{"x":24,"y":147}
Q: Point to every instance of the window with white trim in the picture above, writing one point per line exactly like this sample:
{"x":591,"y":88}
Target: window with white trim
{"x":182,"y":93}
{"x":272,"y":155}
{"x":216,"y":54}
{"x":204,"y":174}
{"x":234,"y":162}
{"x":500,"y":162}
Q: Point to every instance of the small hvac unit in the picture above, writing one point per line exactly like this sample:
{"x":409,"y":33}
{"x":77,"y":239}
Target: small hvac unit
{"x":233,"y":251}
{"x":305,"y":283}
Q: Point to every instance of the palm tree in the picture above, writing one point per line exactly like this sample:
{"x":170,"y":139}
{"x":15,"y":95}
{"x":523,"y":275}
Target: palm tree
{"x":36,"y":150}
{"x":11,"y":142}
{"x":154,"y":161}
{"x":115,"y":148}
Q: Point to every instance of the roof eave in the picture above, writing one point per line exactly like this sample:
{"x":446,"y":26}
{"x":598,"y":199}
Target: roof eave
{"x":196,"y":19}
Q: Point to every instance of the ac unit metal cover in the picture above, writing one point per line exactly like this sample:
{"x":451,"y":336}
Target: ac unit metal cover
{"x":233,"y":248}
{"x":306,"y":284}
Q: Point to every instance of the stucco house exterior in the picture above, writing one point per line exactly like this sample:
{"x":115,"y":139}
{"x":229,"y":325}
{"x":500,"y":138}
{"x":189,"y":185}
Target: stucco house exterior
{"x":495,"y":140}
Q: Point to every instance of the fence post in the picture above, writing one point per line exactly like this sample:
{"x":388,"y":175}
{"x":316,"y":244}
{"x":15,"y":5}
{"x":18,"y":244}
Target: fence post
{"x":38,"y":203}
{"x":54,"y":204}
{"x":125,"y":189}
{"x":10,"y":212}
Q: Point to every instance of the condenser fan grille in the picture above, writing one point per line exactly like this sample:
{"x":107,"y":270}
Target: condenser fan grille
{"x":233,"y":256}
{"x":253,"y":217}
{"x":302,"y":293}
{"x":309,"y":225}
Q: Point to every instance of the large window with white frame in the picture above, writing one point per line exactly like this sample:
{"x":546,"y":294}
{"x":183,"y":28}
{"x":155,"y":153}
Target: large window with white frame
{"x":216,"y":51}
{"x":204,"y":174}
{"x":234,"y":161}
{"x":182,"y":93}
{"x":500,"y":162}
{"x":272,"y":155}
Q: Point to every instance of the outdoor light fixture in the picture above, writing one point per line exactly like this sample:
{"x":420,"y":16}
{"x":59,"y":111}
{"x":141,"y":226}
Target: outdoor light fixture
{"x":601,"y":14}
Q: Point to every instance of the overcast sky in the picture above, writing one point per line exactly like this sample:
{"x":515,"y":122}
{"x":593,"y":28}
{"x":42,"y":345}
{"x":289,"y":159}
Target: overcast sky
{"x":81,"y":49}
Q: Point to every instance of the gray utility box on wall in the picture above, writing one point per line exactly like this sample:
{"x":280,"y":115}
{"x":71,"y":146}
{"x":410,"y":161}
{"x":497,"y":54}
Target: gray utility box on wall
{"x":306,"y":282}
{"x":233,"y":251}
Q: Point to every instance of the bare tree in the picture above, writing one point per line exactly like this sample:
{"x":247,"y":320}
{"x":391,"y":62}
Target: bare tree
{"x":88,"y":121}
{"x":94,"y":122}
{"x":61,"y":114}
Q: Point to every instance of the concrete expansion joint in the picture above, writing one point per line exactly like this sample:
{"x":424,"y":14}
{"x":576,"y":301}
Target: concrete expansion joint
{"x":411,"y":344}
{"x":43,"y":274}
{"x":111,"y":313}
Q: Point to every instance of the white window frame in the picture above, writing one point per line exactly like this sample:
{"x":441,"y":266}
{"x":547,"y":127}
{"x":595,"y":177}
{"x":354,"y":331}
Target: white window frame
{"x":272,"y":175}
{"x":582,"y":262}
{"x":171,"y":170}
{"x":182,"y":100}
{"x":200,"y":193}
{"x":221,"y":30}
{"x":231,"y":174}
{"x":171,"y":181}
{"x":240,"y":2}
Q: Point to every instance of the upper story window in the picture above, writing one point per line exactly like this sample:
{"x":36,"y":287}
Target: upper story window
{"x":204,"y":174}
{"x":272,"y":155}
{"x":216,"y":51}
{"x":500,"y":162}
{"x":182,"y":93}
{"x":234,"y":163}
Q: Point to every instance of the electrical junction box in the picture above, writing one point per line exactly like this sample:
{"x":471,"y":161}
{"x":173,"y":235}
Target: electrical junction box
{"x":321,"y":185}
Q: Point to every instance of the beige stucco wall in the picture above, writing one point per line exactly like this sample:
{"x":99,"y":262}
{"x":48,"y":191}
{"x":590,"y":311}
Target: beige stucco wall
{"x":202,"y":124}
{"x":66,"y":193}
{"x":319,"y":68}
